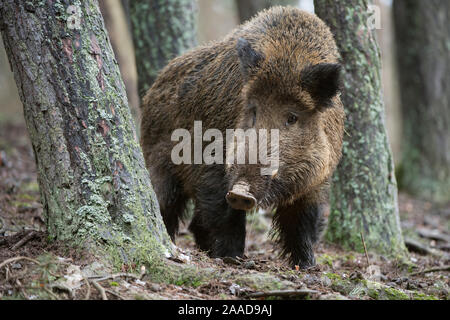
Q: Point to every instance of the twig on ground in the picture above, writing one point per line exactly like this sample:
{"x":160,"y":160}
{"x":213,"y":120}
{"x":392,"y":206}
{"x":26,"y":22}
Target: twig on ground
{"x":232,"y":261}
{"x":365,"y":249}
{"x":444,"y":247}
{"x":88,"y":293}
{"x":30,"y":235}
{"x":51,"y":293}
{"x":22,"y":289}
{"x":100,"y":289}
{"x":11,"y":277}
{"x":283,"y":293}
{"x":418,"y":247}
{"x":433,"y":234}
{"x":112,"y":276}
{"x":6,"y":274}
{"x":115,"y":294}
{"x":17,"y":259}
{"x":63,"y":288}
{"x":444,"y":268}
{"x":2,"y":227}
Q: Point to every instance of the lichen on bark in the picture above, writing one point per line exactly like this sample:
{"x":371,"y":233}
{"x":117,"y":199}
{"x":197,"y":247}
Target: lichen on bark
{"x":94,"y":186}
{"x":162,"y":30}
{"x":364,"y":190}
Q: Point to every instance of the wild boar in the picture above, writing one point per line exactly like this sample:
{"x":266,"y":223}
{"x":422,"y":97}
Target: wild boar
{"x":279,"y":71}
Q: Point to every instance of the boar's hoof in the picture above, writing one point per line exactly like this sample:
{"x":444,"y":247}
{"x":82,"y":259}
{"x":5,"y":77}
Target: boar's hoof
{"x":241,"y":201}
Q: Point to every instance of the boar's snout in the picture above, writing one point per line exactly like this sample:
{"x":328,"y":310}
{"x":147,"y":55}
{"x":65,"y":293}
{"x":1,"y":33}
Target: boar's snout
{"x":241,"y":201}
{"x":240,"y":198}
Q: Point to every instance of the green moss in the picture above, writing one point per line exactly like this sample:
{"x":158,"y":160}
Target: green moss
{"x":223,"y":296}
{"x":333,"y":276}
{"x":395,"y":294}
{"x":373,"y":293}
{"x":349,"y":257}
{"x":261,"y":281}
{"x":343,"y":286}
{"x":325,"y":259}
{"x":380,"y":291}
{"x":185,"y":275}
{"x":30,"y":187}
{"x":405,"y":264}
{"x":189,"y":281}
{"x":21,"y":204}
{"x":422,"y":296}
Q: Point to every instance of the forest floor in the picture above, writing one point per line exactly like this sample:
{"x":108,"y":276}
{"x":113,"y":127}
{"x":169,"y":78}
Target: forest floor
{"x":31,"y":267}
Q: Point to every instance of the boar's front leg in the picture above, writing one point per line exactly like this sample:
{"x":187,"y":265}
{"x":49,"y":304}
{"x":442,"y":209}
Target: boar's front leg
{"x":217,"y":227}
{"x":298,"y":227}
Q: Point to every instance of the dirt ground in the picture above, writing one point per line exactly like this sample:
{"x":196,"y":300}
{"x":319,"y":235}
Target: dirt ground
{"x":31,"y":267}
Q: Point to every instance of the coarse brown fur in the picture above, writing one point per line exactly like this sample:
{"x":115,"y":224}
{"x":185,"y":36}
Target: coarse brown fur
{"x":281,"y":63}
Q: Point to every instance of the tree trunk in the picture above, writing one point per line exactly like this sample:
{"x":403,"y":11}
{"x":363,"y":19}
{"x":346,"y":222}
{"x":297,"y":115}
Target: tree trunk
{"x":364,"y":190}
{"x":94,"y":186}
{"x":119,"y":34}
{"x":423,"y":58}
{"x":162,"y":30}
{"x":248,"y":8}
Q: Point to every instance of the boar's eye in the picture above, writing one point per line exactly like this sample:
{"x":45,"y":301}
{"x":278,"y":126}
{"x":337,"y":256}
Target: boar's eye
{"x":292,"y":119}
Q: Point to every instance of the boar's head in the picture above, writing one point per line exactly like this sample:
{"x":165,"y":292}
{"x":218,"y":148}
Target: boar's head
{"x":297,"y":93}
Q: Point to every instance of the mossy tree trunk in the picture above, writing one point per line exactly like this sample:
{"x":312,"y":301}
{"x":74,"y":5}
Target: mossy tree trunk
{"x":248,"y":8}
{"x":423,"y":58}
{"x":94,"y":186}
{"x":115,"y":18}
{"x":364,"y":190}
{"x":162,"y":30}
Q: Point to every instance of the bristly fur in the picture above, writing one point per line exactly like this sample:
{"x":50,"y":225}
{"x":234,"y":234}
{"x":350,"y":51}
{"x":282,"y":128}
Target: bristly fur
{"x":282,"y":62}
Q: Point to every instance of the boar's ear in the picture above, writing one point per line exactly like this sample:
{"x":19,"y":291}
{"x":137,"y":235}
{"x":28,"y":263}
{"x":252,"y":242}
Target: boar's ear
{"x":249,"y":58}
{"x":322,"y":81}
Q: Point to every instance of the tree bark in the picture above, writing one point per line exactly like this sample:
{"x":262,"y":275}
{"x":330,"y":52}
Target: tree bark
{"x":423,"y":58}
{"x":364,"y":190}
{"x":248,"y":8}
{"x":162,"y":30}
{"x":94,"y":186}
{"x":119,"y":34}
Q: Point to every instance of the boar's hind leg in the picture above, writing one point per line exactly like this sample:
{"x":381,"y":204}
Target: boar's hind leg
{"x":200,"y":231}
{"x":298,"y":228}
{"x":172,"y":213}
{"x":218,"y":228}
{"x":171,"y":198}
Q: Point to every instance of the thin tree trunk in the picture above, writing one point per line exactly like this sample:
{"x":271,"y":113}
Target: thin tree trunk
{"x":248,"y":8}
{"x":364,"y":190}
{"x":94,"y":186}
{"x":162,"y":30}
{"x":423,"y":58}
